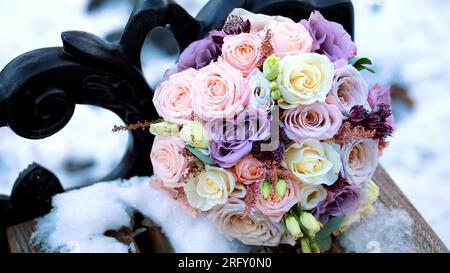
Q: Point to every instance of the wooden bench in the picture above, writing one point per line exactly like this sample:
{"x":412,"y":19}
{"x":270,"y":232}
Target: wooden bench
{"x":148,"y":238}
{"x":39,"y":91}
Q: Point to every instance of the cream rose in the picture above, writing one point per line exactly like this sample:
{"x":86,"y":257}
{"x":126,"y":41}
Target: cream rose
{"x":304,"y":79}
{"x":313,"y":162}
{"x":311,"y":196}
{"x":220,"y":91}
{"x":211,"y":187}
{"x":168,"y":163}
{"x":360,"y":160}
{"x":289,"y":38}
{"x":258,"y":21}
{"x":254,"y":229}
{"x":242,"y":51}
{"x":172,"y":98}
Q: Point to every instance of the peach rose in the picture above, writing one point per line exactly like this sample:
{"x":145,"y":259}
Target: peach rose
{"x":220,"y":91}
{"x":249,"y":170}
{"x":318,"y":120}
{"x":172,"y":98}
{"x":290,"y":38}
{"x":275,"y":206}
{"x":168,"y":163}
{"x":242,"y":51}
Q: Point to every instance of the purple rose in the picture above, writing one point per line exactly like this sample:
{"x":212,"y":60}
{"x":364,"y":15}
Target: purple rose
{"x":329,"y":38}
{"x":227,"y":153}
{"x":379,"y":96}
{"x":202,"y":52}
{"x":252,"y":125}
{"x":342,"y":199}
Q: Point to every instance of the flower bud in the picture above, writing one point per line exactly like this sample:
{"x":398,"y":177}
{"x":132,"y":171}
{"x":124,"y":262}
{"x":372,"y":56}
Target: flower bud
{"x":266,"y":189}
{"x":314,"y":247}
{"x":371,"y":192}
{"x":275,"y":95}
{"x":293,"y":227}
{"x":280,"y":188}
{"x":270,"y":67}
{"x":273,"y":85}
{"x":310,"y":223}
{"x":304,"y":242}
{"x":164,"y":128}
{"x":194,"y":134}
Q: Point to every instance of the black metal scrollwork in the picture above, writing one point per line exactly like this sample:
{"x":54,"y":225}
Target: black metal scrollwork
{"x":40,"y":89}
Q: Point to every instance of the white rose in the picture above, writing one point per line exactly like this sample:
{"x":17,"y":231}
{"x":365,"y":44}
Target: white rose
{"x":260,"y":88}
{"x":304,"y":79}
{"x":211,"y":187}
{"x":258,"y":21}
{"x":254,"y":229}
{"x":311,"y":196}
{"x":313,"y":162}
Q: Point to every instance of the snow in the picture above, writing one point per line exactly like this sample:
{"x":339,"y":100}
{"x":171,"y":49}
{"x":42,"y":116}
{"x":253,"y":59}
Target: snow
{"x":406,"y":39}
{"x":385,"y":231}
{"x":79,"y":219}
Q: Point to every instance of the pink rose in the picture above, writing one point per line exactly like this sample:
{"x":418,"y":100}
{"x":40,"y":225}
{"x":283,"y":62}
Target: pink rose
{"x":172,"y":98}
{"x":318,"y":120}
{"x":258,"y":21}
{"x":349,"y":89}
{"x":249,"y":170}
{"x":177,"y":194}
{"x":168,"y":163}
{"x":242,"y":51}
{"x":275,"y":206}
{"x":219,"y":91}
{"x":290,"y":39}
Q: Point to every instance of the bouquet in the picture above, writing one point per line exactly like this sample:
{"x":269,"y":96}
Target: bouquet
{"x":269,"y":129}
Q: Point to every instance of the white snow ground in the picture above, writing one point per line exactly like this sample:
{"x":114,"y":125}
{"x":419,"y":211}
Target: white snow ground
{"x":406,"y":39}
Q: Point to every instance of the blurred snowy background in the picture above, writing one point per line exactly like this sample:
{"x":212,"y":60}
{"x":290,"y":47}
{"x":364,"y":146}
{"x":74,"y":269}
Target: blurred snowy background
{"x":407,"y":40}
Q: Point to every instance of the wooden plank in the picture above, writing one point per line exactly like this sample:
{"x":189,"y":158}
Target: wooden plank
{"x":392,"y":197}
{"x":151,"y":239}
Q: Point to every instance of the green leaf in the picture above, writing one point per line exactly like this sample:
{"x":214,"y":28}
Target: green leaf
{"x":324,"y":243}
{"x":333,"y":224}
{"x":361,"y":64}
{"x":200,"y":155}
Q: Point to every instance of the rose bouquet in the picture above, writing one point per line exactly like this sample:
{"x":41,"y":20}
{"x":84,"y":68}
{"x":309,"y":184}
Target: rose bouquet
{"x":269,"y":129}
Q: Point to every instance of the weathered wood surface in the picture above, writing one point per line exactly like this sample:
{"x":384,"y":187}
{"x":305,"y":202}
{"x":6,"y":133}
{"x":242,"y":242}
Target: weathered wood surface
{"x":149,"y":238}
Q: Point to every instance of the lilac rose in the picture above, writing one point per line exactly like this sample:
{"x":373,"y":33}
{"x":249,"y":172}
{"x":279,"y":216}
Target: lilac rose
{"x":342,"y":199}
{"x":252,"y":125}
{"x":202,"y":52}
{"x":227,"y":153}
{"x":359,"y":160}
{"x":349,"y":88}
{"x":329,"y":38}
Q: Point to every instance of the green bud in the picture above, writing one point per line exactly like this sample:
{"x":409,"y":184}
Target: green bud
{"x":310,"y":223}
{"x":315,"y":247}
{"x":270,"y":67}
{"x":304,"y":242}
{"x":164,"y":128}
{"x":276,"y":95}
{"x":293,"y":227}
{"x":273,"y":85}
{"x":266,"y":189}
{"x":280,"y":188}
